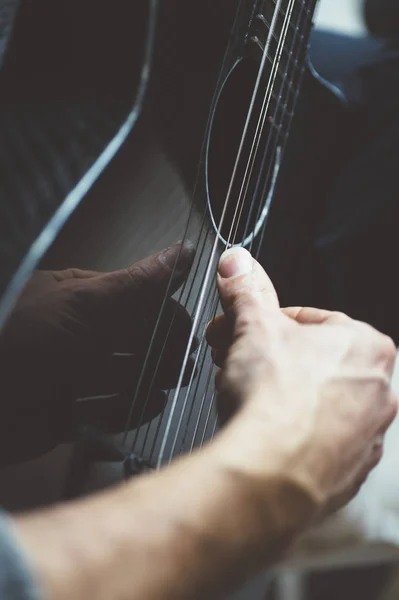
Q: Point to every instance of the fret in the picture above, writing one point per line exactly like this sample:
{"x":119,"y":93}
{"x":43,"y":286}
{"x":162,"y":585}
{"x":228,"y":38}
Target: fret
{"x":269,"y":9}
{"x":289,"y":31}
{"x":306,"y":6}
{"x":280,"y":23}
{"x":271,"y":55}
{"x":286,"y":57}
{"x":284,"y":68}
{"x":298,"y":12}
{"x":284,"y":111}
{"x":287,"y":50}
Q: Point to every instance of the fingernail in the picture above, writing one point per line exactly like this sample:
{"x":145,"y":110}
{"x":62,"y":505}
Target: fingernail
{"x":179,"y":256}
{"x":235,"y":262}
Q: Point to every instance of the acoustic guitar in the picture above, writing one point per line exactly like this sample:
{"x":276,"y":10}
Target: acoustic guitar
{"x":249,"y":126}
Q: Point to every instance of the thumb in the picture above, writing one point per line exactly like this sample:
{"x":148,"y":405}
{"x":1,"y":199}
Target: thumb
{"x":244,"y":285}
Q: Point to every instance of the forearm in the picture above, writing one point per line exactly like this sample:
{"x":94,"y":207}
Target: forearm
{"x":191,"y":531}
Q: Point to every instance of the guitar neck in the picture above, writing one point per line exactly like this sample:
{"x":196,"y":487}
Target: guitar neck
{"x":298,"y":13}
{"x":284,"y":26}
{"x":279,"y":36}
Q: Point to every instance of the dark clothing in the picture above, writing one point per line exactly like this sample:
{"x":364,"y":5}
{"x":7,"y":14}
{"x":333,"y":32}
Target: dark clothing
{"x":16,"y":581}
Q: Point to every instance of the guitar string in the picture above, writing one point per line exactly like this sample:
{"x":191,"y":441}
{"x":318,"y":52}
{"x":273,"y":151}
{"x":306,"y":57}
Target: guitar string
{"x":212,"y":256}
{"x":290,"y":117}
{"x":204,"y":356}
{"x":193,"y":277}
{"x":152,"y":384}
{"x":153,"y":336}
{"x":260,"y":125}
{"x":300,"y":18}
{"x":182,"y":413}
{"x":292,"y":2}
{"x":208,"y":417}
{"x":201,"y":407}
{"x":211,"y":314}
{"x":156,"y":439}
{"x":212,"y":370}
{"x":311,"y":7}
{"x":167,"y":336}
{"x":189,"y":218}
{"x":308,"y":12}
{"x":190,"y":383}
{"x":214,"y":429}
{"x":197,"y":266}
{"x":275,"y":130}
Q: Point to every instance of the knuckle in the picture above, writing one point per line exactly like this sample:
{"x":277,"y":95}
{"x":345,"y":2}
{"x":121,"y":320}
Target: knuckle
{"x":388,"y":349}
{"x":381,"y":345}
{"x":340,"y":318}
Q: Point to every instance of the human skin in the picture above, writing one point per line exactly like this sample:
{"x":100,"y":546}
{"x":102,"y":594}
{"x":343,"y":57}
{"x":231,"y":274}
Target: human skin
{"x":307,"y":398}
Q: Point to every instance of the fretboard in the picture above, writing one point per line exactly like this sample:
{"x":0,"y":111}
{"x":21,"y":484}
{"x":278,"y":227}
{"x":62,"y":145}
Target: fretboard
{"x":281,"y":28}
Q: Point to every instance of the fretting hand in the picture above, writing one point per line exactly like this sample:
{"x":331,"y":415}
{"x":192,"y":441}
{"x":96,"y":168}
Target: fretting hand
{"x":82,"y":334}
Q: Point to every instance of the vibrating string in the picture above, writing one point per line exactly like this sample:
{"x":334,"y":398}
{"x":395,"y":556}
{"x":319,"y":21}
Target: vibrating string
{"x":139,"y":384}
{"x":196,"y":317}
{"x":182,"y":414}
{"x":275,"y":128}
{"x":157,"y":324}
{"x":288,"y":125}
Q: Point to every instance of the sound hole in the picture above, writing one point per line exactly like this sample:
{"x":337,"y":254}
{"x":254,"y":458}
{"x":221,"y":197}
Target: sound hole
{"x":254,"y":173}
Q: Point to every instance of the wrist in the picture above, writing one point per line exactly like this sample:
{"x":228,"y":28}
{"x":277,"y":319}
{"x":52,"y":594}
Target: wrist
{"x":269,"y":459}
{"x":206,"y":510}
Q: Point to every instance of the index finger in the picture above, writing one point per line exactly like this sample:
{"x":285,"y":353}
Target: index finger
{"x":307,"y":315}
